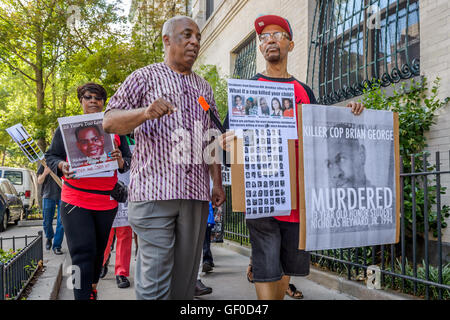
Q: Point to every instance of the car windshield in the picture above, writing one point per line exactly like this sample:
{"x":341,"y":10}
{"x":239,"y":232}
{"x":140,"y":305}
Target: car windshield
{"x":15,"y":177}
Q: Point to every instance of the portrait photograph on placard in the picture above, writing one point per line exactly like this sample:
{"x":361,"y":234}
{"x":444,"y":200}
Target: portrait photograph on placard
{"x":349,"y":177}
{"x":87,"y":144}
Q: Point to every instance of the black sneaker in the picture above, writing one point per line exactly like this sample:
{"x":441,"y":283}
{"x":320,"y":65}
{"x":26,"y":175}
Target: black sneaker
{"x":201,"y":289}
{"x":103,"y":272}
{"x":207,"y":267}
{"x":57,"y":251}
{"x":122,"y":282}
{"x":48,"y":244}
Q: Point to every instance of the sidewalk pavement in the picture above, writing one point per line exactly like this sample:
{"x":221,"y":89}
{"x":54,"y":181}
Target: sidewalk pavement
{"x":228,"y":279}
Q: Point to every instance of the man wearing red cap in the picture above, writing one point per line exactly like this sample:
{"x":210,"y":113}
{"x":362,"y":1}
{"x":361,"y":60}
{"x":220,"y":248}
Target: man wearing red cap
{"x":275,"y":239}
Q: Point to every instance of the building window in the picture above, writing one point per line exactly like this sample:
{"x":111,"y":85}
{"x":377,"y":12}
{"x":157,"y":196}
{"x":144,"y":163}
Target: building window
{"x":209,"y":8}
{"x":245,"y":64}
{"x":355,"y":43}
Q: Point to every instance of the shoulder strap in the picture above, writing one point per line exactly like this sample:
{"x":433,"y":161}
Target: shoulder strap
{"x":106,"y":193}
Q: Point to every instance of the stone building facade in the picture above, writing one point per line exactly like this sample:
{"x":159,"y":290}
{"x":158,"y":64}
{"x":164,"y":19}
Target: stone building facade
{"x":416,"y":36}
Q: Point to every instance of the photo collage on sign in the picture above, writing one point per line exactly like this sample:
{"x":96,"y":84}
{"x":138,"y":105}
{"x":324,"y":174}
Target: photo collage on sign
{"x":266,"y":178}
{"x":262,"y":106}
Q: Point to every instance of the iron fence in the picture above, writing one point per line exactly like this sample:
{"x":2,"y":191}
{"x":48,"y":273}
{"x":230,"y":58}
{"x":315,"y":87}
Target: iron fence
{"x":16,"y":273}
{"x":416,"y":264}
{"x":234,"y":227}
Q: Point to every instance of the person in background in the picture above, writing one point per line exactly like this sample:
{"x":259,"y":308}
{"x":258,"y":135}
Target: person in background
{"x":208,"y":263}
{"x":51,"y":199}
{"x":86,"y":214}
{"x":123,"y":238}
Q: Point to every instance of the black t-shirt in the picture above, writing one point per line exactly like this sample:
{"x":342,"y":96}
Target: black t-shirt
{"x":50,"y":189}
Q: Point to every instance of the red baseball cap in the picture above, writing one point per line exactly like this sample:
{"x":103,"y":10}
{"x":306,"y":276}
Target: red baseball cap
{"x":263,"y":21}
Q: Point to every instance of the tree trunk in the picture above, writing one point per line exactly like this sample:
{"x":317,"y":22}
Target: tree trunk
{"x":40,"y":90}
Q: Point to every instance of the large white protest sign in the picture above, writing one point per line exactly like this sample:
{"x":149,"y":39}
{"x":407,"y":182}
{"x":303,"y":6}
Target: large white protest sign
{"x":350,"y":177}
{"x":263,"y":115}
{"x":87,"y":144}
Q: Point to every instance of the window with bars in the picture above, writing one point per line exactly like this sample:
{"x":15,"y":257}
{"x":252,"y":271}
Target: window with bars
{"x":245,"y":64}
{"x":355,"y":43}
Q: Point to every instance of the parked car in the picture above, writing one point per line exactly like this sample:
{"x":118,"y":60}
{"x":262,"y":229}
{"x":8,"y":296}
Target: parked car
{"x":14,"y":205}
{"x":3,"y":211}
{"x":25,"y":182}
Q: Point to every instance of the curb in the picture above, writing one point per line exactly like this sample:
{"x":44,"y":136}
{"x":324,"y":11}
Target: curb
{"x":333,"y":281}
{"x":48,"y":284}
{"x":32,"y":223}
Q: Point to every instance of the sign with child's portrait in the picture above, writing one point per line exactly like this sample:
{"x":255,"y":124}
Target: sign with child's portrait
{"x":351,"y":191}
{"x":87,"y":144}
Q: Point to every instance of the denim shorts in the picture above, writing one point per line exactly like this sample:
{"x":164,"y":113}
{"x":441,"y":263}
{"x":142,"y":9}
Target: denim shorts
{"x":275,"y":250}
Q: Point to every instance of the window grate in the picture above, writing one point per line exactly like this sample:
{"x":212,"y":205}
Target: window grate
{"x":245,"y":65}
{"x":359,"y":43}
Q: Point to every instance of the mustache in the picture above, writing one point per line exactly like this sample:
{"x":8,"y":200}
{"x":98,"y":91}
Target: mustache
{"x":273,"y":46}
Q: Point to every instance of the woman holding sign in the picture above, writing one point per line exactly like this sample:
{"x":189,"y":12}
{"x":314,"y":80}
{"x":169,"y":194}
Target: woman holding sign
{"x":87,"y":207}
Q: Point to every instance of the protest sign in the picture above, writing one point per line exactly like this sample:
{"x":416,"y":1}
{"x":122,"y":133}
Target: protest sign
{"x":26,"y":143}
{"x":264,"y":181}
{"x":349,"y":178}
{"x":262,"y":105}
{"x":121,"y":219}
{"x":29,"y":147}
{"x":87,"y":145}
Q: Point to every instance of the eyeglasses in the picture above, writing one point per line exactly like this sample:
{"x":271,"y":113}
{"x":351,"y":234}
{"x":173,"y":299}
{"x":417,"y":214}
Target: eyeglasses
{"x":93,"y":97}
{"x":277,"y":36}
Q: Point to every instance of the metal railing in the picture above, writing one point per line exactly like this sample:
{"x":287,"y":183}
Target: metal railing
{"x":16,"y":273}
{"x":416,"y":264}
{"x":234,"y":227}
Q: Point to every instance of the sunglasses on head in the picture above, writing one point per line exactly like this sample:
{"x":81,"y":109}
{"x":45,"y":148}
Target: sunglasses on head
{"x":93,"y":97}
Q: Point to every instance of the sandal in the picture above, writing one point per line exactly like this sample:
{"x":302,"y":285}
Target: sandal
{"x":293,"y":292}
{"x":250,"y":273}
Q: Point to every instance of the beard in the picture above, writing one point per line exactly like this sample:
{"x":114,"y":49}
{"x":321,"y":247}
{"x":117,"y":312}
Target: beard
{"x":273,"y":56}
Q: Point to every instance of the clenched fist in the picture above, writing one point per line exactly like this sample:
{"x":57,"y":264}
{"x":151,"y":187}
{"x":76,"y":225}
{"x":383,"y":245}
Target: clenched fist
{"x":159,"y":108}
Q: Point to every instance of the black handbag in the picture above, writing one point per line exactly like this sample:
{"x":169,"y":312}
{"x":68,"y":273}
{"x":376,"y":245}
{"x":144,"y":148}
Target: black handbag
{"x":119,"y":193}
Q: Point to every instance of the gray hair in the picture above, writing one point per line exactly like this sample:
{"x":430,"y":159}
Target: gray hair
{"x":169,"y":25}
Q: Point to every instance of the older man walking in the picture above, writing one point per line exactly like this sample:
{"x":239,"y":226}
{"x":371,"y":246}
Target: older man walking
{"x":169,"y":185}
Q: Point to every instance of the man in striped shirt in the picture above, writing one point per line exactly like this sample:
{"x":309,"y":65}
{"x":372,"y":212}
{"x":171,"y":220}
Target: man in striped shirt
{"x":169,"y":179}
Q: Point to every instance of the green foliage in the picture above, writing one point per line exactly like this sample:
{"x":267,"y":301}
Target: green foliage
{"x":416,"y":106}
{"x":6,"y":255}
{"x":43,"y":61}
{"x":219,"y":86}
{"x":433,"y":276}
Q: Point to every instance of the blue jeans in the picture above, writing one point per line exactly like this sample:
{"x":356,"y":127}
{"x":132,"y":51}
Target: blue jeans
{"x":207,"y":255}
{"x":48,"y":212}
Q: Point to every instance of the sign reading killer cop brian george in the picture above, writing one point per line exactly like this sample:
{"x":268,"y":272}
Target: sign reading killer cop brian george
{"x":350,"y":178}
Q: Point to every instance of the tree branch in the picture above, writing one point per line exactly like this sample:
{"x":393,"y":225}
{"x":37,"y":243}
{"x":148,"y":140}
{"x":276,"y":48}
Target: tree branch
{"x":17,"y":69}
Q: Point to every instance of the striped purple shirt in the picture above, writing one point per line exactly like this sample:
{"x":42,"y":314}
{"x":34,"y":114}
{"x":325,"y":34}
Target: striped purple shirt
{"x":168,"y":159}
